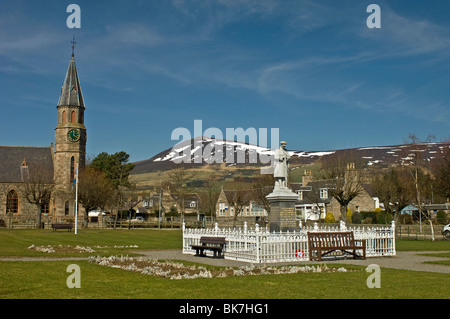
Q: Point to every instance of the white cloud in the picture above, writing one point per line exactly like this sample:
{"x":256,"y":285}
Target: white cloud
{"x":404,"y":36}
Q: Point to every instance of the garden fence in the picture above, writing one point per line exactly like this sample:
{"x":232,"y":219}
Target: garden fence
{"x":257,"y":245}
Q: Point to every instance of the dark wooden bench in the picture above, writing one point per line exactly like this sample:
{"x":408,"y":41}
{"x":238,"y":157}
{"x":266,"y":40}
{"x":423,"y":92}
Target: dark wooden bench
{"x":68,"y":226}
{"x":215,"y":244}
{"x":326,"y":242}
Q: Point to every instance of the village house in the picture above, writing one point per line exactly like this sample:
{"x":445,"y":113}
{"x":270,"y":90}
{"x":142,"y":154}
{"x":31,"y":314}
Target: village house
{"x":170,"y":202}
{"x":230,"y":201}
{"x":314,"y":199}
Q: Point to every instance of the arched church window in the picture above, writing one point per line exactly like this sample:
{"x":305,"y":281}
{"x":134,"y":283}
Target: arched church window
{"x":73,"y":117}
{"x":66,"y":208}
{"x":12,"y":202}
{"x":64,"y":119}
{"x":72,"y":168}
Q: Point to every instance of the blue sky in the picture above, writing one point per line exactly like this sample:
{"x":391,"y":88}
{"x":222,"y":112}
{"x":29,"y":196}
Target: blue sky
{"x":313,"y":69}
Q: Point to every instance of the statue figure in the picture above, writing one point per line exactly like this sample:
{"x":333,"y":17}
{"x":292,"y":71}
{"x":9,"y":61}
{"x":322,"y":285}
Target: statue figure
{"x":280,"y":173}
{"x":282,"y":200}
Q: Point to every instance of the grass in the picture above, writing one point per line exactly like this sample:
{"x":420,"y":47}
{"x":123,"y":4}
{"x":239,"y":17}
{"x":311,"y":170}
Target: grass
{"x":422,"y":245}
{"x":47,"y":279}
{"x":445,"y":262}
{"x":15,"y":243}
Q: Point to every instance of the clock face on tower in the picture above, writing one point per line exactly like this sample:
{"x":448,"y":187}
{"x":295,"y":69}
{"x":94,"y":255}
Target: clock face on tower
{"x":73,"y":135}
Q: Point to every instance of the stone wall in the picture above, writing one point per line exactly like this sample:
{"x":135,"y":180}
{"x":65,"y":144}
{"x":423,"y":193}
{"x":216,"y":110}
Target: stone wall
{"x":25,"y":208}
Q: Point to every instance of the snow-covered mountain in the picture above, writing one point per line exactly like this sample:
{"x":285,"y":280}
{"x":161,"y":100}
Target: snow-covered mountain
{"x":205,"y":150}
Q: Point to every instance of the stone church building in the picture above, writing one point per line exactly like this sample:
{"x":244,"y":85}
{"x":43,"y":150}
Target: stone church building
{"x":39,"y":180}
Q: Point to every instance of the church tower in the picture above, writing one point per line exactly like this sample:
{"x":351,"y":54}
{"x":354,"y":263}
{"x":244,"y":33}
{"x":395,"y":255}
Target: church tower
{"x":70,"y":141}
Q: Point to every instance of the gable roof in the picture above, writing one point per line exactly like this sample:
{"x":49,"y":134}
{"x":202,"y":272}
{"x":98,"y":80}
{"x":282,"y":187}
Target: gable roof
{"x":12,"y":157}
{"x":311,"y":192}
{"x":370,"y":190}
{"x":189,"y":197}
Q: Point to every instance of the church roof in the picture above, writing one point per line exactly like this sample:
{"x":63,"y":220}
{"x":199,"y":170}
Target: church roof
{"x":13,"y":157}
{"x":71,"y":89}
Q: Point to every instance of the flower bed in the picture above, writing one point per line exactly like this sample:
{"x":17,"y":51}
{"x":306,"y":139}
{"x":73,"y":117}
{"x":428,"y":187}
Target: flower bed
{"x":69,"y":249}
{"x":176,"y":270}
{"x":62,"y":249}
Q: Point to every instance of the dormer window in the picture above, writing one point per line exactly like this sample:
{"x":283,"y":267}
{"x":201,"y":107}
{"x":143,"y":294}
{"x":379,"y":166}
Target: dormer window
{"x":24,"y":173}
{"x":323,"y":193}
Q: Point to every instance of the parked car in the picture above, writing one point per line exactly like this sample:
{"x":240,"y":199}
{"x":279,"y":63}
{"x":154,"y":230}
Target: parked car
{"x":96,"y":213}
{"x":446,"y":231}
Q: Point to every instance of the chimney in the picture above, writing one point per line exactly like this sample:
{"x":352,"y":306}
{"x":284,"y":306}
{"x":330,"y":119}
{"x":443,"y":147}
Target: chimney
{"x":307,"y":177}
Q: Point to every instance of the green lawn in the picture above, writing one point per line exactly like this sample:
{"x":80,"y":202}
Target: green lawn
{"x":422,"y":245}
{"x":16,"y":242}
{"x":47,"y":279}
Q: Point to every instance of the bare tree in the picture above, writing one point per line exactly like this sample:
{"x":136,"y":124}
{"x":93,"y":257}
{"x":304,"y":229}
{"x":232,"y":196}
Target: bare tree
{"x":238,"y":199}
{"x":263,"y":187}
{"x":178,"y":179}
{"x":210,"y":195}
{"x":132,"y":201}
{"x":416,"y":163}
{"x":441,"y":171}
{"x":393,"y":188}
{"x":94,"y":190}
{"x":344,"y":173}
{"x":39,"y":185}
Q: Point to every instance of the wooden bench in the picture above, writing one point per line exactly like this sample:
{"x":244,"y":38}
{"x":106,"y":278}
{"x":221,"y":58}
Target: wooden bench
{"x":214,"y":244}
{"x":68,"y":226}
{"x":326,"y":242}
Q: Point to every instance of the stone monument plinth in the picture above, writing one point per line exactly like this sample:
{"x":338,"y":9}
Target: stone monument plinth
{"x":282,"y":211}
{"x":282,"y":199}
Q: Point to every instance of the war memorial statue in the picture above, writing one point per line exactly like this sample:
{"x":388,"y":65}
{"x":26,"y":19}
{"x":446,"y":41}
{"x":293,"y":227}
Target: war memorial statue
{"x":281,"y":171}
{"x":282,"y":215}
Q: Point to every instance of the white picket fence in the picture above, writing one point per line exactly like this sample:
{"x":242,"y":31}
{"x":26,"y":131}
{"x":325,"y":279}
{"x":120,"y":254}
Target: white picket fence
{"x":257,"y":245}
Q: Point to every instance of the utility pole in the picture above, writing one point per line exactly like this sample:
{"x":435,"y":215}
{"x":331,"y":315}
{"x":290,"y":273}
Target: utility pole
{"x":159,"y":210}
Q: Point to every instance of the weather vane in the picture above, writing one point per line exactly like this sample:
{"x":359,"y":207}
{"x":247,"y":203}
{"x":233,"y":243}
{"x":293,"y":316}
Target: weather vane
{"x":73,"y":44}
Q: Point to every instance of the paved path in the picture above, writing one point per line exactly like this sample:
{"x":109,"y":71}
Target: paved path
{"x":403,"y":260}
{"x":411,"y":260}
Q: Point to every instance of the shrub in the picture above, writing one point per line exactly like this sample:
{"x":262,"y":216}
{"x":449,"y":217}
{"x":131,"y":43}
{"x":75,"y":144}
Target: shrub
{"x":371,"y":215}
{"x":441,"y":217}
{"x":173,"y":212}
{"x":383,"y":217}
{"x":356,"y":218}
{"x":405,"y":219}
{"x":329,"y":218}
{"x":349,"y":216}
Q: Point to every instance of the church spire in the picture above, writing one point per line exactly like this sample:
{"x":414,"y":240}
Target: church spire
{"x":71,"y":90}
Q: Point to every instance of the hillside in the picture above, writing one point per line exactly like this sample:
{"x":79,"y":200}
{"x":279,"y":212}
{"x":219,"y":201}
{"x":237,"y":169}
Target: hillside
{"x":251,"y":155}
